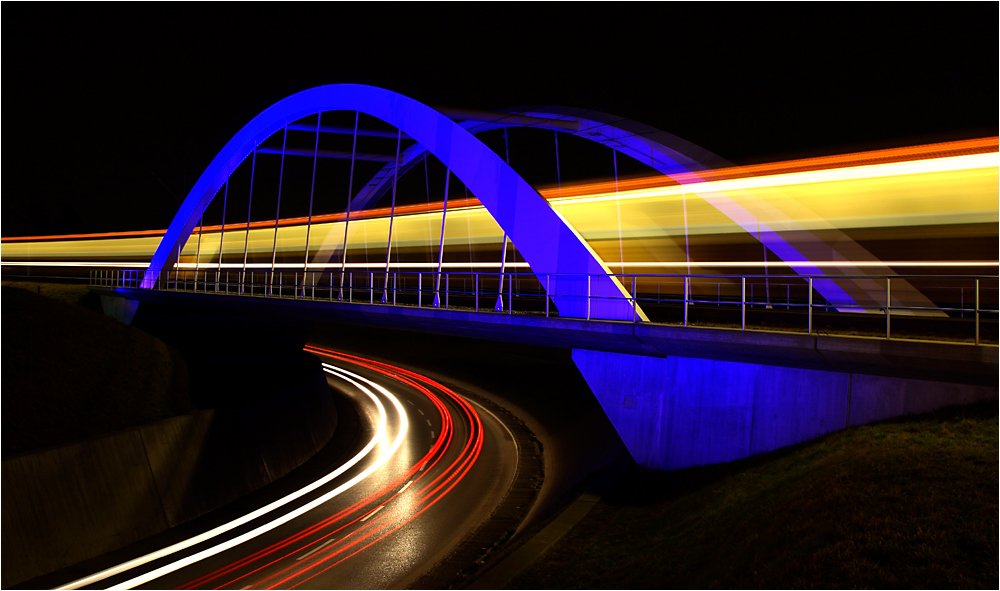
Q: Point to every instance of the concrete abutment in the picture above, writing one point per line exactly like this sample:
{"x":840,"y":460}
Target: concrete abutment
{"x":676,"y":412}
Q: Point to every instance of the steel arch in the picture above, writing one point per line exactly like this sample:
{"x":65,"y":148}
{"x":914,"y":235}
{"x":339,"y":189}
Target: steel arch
{"x":547,"y":242}
{"x":664,"y":152}
{"x":671,"y":155}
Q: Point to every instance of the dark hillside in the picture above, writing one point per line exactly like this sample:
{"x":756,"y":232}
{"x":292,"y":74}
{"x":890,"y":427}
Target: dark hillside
{"x":69,"y":373}
{"x":906,"y":503}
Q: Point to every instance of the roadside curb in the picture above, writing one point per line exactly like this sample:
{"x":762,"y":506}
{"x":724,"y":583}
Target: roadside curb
{"x":503,"y":572}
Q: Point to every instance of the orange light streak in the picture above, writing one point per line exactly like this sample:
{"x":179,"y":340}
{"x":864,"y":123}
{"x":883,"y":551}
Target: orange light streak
{"x":890,"y":155}
{"x":903,"y":154}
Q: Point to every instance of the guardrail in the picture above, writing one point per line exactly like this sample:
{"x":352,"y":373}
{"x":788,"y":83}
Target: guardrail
{"x":948,"y":308}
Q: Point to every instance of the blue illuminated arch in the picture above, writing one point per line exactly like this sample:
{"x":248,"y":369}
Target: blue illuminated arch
{"x":671,"y":155}
{"x":548,"y":244}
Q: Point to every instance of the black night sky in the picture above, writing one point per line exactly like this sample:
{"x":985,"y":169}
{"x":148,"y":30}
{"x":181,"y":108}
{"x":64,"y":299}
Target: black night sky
{"x":112,"y":110}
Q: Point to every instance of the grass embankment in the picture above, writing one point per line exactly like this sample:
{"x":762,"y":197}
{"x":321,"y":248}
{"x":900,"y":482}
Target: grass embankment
{"x":910,"y":503}
{"x":69,"y":372}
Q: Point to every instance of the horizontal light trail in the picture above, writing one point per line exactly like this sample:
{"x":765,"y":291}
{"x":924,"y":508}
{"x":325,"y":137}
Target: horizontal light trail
{"x":919,"y":152}
{"x":379,"y":434}
{"x":901,"y":154}
{"x":824,"y":264}
{"x":874,"y":171}
{"x":260,"y":266}
{"x":931,"y":201}
{"x":454,"y":204}
{"x":517,"y":265}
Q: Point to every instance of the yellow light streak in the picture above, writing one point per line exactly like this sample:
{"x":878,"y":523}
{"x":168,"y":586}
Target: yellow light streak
{"x":874,"y":171}
{"x":929,"y":199}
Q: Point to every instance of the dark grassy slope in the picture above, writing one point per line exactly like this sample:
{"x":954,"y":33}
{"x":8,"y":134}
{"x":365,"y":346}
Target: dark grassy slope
{"x":910,"y":503}
{"x":69,"y":372}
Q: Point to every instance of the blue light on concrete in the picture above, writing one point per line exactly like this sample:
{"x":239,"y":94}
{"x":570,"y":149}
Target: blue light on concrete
{"x":677,"y":412}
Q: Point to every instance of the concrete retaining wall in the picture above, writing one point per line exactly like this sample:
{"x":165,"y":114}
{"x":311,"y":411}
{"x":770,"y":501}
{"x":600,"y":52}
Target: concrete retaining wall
{"x":676,"y":412}
{"x":64,"y":505}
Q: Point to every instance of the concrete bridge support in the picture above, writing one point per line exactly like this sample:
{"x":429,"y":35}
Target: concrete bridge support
{"x":676,"y":412}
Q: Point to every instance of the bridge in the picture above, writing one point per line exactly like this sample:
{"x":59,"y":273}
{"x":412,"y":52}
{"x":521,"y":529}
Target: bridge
{"x":797,"y":329}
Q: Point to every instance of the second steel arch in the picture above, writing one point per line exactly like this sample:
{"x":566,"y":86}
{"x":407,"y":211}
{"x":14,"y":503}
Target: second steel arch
{"x":548,"y":244}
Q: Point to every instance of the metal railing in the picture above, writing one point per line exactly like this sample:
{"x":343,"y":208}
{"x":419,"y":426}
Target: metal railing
{"x":923,"y":307}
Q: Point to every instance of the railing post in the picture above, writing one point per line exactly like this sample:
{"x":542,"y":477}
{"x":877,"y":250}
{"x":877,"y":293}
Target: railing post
{"x":510,"y":294}
{"x":977,"y":311}
{"x":394,"y":284}
{"x":446,"y":277}
{"x":888,"y":304}
{"x":420,"y":293}
{"x":743,"y":302}
{"x":687,"y":286}
{"x":809,"y":305}
{"x":477,"y":292}
{"x":371,"y":283}
{"x":548,"y":276}
{"x":633,"y":300}
{"x":588,"y":296}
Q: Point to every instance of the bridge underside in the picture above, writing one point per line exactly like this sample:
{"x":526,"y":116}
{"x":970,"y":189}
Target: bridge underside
{"x":682,"y":397}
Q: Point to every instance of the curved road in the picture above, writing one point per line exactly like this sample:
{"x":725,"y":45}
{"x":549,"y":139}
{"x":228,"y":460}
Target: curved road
{"x":429,"y":468}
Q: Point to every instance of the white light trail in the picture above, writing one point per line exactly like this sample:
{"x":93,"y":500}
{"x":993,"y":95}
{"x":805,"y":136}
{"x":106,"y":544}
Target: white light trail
{"x":171,"y":567}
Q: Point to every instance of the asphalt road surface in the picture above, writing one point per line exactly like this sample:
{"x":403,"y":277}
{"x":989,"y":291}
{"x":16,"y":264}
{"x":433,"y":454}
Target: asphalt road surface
{"x":429,"y":467}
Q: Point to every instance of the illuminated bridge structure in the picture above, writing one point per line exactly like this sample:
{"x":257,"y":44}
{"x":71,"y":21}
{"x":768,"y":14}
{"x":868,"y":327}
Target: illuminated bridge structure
{"x":678,"y":396}
{"x":573,"y":273}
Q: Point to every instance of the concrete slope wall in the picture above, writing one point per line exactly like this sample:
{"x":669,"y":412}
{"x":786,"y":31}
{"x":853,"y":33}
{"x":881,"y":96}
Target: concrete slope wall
{"x":64,"y":505}
{"x":677,"y":412}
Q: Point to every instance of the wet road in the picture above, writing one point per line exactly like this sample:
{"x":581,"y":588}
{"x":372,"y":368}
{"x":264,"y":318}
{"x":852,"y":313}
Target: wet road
{"x":430,"y":467}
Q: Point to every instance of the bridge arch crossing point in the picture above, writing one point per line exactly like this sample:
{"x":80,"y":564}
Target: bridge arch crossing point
{"x":676,"y":157}
{"x":547,"y":242}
